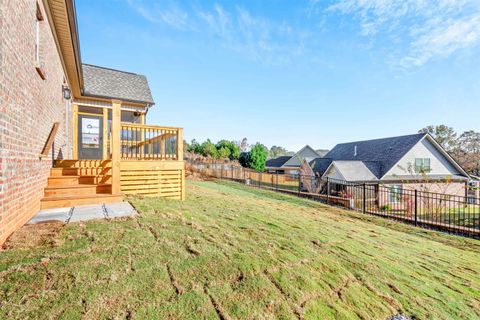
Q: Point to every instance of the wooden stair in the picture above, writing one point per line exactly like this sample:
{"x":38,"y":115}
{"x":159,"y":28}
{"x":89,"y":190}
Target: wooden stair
{"x":79,"y":182}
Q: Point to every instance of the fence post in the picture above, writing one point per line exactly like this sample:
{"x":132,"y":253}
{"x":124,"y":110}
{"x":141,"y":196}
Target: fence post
{"x":364,"y":198}
{"x":221,"y":171}
{"x":328,"y":190}
{"x":416,"y":208}
{"x":232,"y":171}
{"x":299,"y":181}
{"x":276,"y":182}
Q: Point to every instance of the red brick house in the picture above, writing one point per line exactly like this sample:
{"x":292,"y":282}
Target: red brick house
{"x":71,"y":133}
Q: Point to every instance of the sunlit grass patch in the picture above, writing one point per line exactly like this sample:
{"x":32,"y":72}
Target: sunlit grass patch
{"x":231,"y":251}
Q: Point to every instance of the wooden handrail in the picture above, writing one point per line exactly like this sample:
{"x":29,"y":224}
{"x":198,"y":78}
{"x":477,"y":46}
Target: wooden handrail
{"x":49,"y":143}
{"x":157,"y":138}
{"x":147,"y":126}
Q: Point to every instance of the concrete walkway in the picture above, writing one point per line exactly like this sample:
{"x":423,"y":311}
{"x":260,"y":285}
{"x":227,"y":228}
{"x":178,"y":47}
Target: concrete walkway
{"x":84,"y":213}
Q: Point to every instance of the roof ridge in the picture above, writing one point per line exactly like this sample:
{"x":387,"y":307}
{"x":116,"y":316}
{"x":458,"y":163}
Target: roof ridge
{"x":378,"y":139}
{"x":111,"y":69}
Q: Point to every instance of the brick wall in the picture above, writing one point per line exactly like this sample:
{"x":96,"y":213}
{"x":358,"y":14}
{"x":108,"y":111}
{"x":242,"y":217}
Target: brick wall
{"x":29,"y":106}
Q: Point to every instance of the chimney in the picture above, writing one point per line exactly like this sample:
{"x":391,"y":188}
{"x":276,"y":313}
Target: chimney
{"x":355,"y":151}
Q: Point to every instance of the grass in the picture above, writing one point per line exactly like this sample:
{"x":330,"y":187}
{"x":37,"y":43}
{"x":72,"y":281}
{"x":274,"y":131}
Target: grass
{"x":231,"y":251}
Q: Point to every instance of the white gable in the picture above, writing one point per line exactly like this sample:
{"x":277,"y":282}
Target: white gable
{"x":349,"y":171}
{"x":333,"y":173}
{"x":439,"y":164}
{"x":306,"y":153}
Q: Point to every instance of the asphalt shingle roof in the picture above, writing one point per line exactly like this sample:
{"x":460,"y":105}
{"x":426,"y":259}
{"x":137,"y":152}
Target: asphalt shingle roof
{"x":354,"y":170}
{"x":277,"y":162}
{"x":378,"y":155}
{"x":109,"y":83}
{"x":319,"y":165}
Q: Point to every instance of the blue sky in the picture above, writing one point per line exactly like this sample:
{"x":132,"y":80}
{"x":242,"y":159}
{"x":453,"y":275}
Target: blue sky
{"x":298,"y":72}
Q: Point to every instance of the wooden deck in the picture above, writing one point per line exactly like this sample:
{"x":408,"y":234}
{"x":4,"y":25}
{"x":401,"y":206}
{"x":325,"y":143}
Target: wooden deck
{"x":161,"y":178}
{"x":138,"y":159}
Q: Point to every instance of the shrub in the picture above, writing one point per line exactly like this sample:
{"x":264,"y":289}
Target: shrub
{"x":244,"y":159}
{"x":208,"y":149}
{"x":386,"y":207}
{"x":232,"y":147}
{"x":194,"y":147}
{"x":258,"y":157}
{"x":223,"y":153}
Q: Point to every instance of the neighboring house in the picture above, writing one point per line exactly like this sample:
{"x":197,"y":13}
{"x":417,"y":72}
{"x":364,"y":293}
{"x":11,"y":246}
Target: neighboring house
{"x":407,"y":162}
{"x":291,"y":164}
{"x":474,"y":190}
{"x":72,"y":133}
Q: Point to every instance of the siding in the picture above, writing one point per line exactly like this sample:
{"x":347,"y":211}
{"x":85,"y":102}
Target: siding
{"x":306,"y":153}
{"x":424,"y":149}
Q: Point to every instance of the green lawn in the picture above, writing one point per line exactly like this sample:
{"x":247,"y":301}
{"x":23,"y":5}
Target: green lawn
{"x":230,"y":252}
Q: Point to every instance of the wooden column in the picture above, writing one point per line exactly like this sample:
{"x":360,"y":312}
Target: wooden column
{"x":105,"y":134}
{"x":142,"y":136}
{"x":116,"y":118}
{"x":180,"y":158}
{"x":75,"y":136}
{"x":180,"y":144}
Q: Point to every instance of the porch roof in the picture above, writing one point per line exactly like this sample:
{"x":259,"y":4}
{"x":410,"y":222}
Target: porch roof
{"x":109,"y":83}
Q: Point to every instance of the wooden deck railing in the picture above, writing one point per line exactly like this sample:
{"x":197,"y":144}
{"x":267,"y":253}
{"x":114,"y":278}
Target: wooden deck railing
{"x":148,"y":142}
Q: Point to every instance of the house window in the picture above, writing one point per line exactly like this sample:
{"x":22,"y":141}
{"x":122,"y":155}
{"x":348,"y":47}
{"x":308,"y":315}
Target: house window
{"x":38,"y":60}
{"x":395,"y":194}
{"x":422,"y":165}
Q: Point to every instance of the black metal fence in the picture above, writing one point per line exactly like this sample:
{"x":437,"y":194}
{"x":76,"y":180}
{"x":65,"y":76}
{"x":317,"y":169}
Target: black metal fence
{"x":451,"y":213}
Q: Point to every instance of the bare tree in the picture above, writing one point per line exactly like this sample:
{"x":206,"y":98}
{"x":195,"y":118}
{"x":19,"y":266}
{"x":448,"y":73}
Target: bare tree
{"x":308,"y":178}
{"x":244,"y":145}
{"x":467,"y":152}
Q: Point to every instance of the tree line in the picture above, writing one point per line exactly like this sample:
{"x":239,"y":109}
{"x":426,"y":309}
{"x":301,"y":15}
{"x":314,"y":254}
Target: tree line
{"x":464,"y":147}
{"x":253,"y":157}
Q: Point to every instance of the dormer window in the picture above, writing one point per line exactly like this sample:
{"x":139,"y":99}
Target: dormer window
{"x":422,"y":165}
{"x":38,"y":60}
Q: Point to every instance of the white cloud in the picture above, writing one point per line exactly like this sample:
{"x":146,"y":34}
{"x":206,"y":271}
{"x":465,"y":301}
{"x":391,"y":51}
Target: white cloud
{"x":165,"y":12}
{"x":257,"y":38}
{"x":430,"y":29}
{"x":443,"y":40}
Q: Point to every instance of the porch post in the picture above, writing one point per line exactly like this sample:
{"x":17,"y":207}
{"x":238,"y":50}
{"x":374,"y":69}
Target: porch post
{"x":75,"y":131}
{"x":116,"y":118}
{"x":105,"y":134}
{"x":180,"y":144}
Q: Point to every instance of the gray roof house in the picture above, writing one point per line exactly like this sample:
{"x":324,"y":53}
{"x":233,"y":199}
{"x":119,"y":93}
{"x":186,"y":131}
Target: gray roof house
{"x":277,"y":162}
{"x":292,"y":162}
{"x":392,"y":159}
{"x":108,"y":83}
